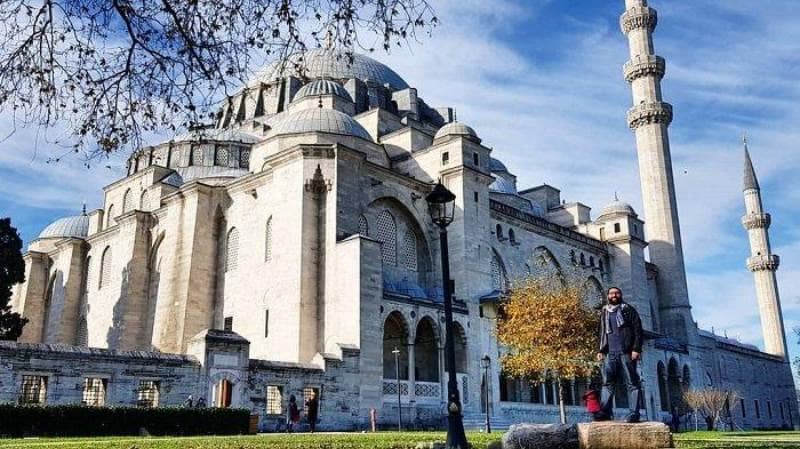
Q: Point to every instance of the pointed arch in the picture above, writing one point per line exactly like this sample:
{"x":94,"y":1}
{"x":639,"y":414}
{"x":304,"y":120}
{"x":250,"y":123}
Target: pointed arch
{"x":232,"y":250}
{"x":460,"y":347}
{"x":110,"y":216}
{"x":426,"y":351}
{"x":82,"y":332}
{"x":387,"y":235}
{"x":127,"y":201}
{"x":47,"y":306}
{"x":153,"y":285}
{"x":395,"y":336}
{"x":268,"y":240}
{"x":498,"y":271}
{"x":546,"y":266}
{"x":593,"y":291}
{"x":144,"y":200}
{"x":104,"y":276}
{"x":674,"y":385}
{"x":663,"y":392}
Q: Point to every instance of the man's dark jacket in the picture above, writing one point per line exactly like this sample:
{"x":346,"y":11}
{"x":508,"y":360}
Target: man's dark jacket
{"x":631,"y":330}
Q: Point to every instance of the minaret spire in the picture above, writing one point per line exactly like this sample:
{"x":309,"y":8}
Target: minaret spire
{"x":650,"y":118}
{"x":762,"y":262}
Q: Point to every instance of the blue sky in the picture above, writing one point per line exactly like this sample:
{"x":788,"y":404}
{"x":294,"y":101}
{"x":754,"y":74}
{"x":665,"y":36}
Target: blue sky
{"x":541,"y":82}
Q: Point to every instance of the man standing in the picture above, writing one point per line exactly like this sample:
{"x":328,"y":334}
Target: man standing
{"x":621,"y":338}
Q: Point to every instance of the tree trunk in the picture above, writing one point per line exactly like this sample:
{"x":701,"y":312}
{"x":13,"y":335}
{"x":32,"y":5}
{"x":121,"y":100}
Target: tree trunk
{"x":561,"y":407}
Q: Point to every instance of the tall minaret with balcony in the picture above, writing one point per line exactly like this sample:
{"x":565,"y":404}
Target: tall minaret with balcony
{"x":650,"y":117}
{"x":762,"y":262}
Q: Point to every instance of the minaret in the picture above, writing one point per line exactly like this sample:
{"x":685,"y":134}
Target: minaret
{"x":650,"y":117}
{"x":762,"y":262}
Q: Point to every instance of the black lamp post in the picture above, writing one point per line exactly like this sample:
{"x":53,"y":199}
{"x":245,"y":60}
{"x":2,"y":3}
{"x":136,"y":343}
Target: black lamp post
{"x":486,"y":362}
{"x":441,"y":206}
{"x":396,"y":353}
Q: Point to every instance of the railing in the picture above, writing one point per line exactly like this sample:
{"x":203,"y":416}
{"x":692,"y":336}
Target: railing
{"x":390,"y":387}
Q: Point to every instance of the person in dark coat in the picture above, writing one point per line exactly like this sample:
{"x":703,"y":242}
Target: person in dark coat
{"x":312,"y":410}
{"x":293,"y":415}
{"x":621,"y":338}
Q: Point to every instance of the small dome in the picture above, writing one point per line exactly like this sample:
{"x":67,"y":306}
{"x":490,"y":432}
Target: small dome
{"x":457,"y":129}
{"x":322,"y":87}
{"x":77,"y":226}
{"x":618,"y":207}
{"x":496,"y":166}
{"x":320,"y":120}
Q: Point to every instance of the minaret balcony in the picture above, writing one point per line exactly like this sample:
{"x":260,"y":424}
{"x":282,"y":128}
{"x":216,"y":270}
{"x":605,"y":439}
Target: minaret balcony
{"x":756,"y":221}
{"x":644,"y":65}
{"x":763,"y":263}
{"x":638,"y":17}
{"x":649,"y":113}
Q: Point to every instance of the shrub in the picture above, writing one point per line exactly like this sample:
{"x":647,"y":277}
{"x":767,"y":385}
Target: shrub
{"x":78,"y":420}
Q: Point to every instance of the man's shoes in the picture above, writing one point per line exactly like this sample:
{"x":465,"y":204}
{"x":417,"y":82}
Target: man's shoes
{"x":633,"y":418}
{"x":601,"y":416}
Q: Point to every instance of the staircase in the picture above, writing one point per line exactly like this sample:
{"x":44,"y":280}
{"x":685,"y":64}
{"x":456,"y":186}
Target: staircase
{"x":477,"y":421}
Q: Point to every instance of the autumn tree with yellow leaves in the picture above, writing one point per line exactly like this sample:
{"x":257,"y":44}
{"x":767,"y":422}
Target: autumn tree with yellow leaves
{"x":549,"y":329}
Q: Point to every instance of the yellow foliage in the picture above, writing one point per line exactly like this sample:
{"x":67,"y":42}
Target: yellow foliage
{"x":548,"y":329}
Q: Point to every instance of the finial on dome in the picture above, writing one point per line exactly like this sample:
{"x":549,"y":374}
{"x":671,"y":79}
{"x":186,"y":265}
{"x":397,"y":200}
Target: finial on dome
{"x":83,"y":208}
{"x":616,"y":198}
{"x":319,"y":104}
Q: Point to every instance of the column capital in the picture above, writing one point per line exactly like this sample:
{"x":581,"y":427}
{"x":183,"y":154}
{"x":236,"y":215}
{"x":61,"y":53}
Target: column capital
{"x":638,"y":17}
{"x":648,"y":113}
{"x":763,"y":263}
{"x":643,"y":65}
{"x":756,"y":221}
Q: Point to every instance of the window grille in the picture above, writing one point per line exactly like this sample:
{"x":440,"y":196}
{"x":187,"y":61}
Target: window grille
{"x":232,"y":250}
{"x":105,"y":268}
{"x":387,"y":235}
{"x":222,"y":156}
{"x":244,"y":159}
{"x":363,"y":226}
{"x":307,"y":395}
{"x":274,"y":400}
{"x":498,"y":274}
{"x":34,"y":389}
{"x":409,"y":250}
{"x":147,"y":396}
{"x":127,"y":201}
{"x":197,"y":156}
{"x":94,"y":392}
{"x":268,"y":241}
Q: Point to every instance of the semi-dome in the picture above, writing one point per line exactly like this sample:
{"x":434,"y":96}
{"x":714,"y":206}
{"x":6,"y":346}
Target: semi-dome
{"x":457,"y":129}
{"x":320,"y":120}
{"x":495,"y":165}
{"x":322,"y":87}
{"x":618,"y":207}
{"x":322,"y":63}
{"x":77,"y":226}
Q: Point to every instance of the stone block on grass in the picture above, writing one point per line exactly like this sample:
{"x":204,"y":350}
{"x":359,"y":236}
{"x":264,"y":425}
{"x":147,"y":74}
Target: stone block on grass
{"x":617,"y":435}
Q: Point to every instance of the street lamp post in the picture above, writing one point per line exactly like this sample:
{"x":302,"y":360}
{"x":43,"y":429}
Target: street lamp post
{"x":485,"y":364}
{"x":441,"y":206}
{"x":396,"y":353}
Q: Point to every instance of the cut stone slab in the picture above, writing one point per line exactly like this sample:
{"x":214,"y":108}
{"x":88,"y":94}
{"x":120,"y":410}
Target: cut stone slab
{"x":617,"y":435}
{"x":541,"y":436}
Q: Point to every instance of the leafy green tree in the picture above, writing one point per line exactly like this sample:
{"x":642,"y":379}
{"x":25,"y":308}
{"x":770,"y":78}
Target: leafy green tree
{"x":12,"y":271}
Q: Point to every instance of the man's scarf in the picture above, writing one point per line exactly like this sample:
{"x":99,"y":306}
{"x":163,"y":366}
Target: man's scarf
{"x":612,"y":310}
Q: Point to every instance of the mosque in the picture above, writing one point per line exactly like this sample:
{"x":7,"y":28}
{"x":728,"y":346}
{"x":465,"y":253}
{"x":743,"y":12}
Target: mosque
{"x":288,"y":249}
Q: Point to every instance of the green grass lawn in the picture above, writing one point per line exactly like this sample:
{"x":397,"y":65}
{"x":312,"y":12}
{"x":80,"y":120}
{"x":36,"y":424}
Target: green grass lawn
{"x":381,"y":440}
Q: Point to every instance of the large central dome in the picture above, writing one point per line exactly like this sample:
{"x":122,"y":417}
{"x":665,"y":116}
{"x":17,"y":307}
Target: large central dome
{"x":321,"y":63}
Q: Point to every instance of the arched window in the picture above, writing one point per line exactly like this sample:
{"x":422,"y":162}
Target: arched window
{"x":363,"y":226}
{"x":583,"y":260}
{"x":409,"y":250}
{"x":499,"y":278}
{"x":591,"y":261}
{"x":144,"y":201}
{"x":82,"y":333}
{"x":499,"y":231}
{"x":600,"y":263}
{"x":511,"y":236}
{"x":127,"y":201}
{"x":387,"y":235}
{"x":268,"y":241}
{"x":110,"y":216}
{"x":232,"y":250}
{"x":105,"y":268}
{"x":663,"y":392}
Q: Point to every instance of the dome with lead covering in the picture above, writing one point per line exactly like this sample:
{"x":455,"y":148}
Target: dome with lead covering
{"x":495,"y":165}
{"x":322,"y":87}
{"x":217,"y":134}
{"x":322,"y":63}
{"x":618,"y":207}
{"x":77,"y":226}
{"x":457,"y":129}
{"x":319,"y":120}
